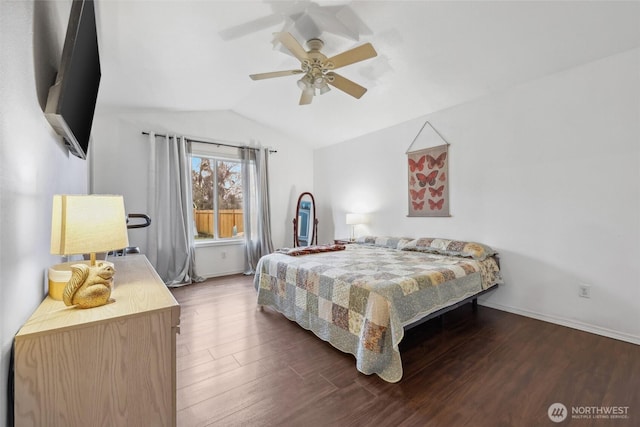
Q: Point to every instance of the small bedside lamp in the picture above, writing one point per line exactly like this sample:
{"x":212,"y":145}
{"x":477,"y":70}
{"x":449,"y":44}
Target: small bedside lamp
{"x":354,"y":219}
{"x":86,"y":224}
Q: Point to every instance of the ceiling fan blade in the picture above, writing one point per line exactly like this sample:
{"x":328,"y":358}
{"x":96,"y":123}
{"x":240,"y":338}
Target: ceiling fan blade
{"x":346,"y":85}
{"x":306,"y":97}
{"x":273,"y":74}
{"x":351,"y":56}
{"x":292,"y":44}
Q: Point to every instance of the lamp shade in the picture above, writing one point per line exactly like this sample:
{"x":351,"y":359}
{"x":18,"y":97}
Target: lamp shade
{"x":354,"y":219}
{"x":84,"y":224}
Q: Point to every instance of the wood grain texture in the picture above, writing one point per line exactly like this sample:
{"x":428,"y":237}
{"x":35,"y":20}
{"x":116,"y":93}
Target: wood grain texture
{"x":240,"y":366}
{"x":106,"y":366}
{"x":137,"y":290}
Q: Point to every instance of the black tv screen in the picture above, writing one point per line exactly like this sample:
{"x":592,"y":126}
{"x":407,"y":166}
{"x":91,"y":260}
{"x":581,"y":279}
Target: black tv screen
{"x":72,"y":99}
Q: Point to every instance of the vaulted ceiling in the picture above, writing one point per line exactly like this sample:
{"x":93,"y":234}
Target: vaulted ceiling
{"x":197,"y":55}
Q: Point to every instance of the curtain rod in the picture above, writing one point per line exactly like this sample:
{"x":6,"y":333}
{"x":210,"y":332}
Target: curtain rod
{"x":213,"y":142}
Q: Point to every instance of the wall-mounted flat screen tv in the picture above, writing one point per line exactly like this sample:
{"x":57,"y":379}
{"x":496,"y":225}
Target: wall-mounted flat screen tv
{"x":72,"y":99}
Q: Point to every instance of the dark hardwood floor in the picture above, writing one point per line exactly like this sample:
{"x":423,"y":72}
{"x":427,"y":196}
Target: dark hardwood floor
{"x":241,"y":367}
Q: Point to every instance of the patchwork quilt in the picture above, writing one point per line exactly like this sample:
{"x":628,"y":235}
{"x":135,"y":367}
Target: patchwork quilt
{"x":359,"y":299}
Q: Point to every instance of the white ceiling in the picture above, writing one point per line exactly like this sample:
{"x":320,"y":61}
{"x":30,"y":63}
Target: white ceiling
{"x":197,"y":55}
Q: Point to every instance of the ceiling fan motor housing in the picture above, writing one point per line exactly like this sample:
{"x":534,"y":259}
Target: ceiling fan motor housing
{"x":315,"y":44}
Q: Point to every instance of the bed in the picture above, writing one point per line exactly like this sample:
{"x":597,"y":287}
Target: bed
{"x":360,"y":297}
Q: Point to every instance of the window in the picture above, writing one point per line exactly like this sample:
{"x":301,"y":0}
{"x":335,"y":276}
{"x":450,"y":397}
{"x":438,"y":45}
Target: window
{"x":217,"y":197}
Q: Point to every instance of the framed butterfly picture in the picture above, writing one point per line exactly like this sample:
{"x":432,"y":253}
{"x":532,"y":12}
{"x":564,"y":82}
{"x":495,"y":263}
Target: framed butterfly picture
{"x":429,"y":181}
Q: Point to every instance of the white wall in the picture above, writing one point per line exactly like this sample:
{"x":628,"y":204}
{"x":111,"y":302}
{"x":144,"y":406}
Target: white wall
{"x":548,"y":173}
{"x":34,"y":165}
{"x":120,"y":166}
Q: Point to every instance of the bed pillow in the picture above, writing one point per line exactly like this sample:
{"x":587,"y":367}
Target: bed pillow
{"x":477,"y":251}
{"x":384,"y":241}
{"x":392,"y":242}
{"x":366,"y":240}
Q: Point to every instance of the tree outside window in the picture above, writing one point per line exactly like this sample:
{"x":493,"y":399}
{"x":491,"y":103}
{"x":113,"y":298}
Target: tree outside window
{"x":217,"y":198}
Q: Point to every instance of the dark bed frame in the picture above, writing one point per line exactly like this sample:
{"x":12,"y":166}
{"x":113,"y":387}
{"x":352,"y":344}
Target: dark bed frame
{"x":473,"y":299}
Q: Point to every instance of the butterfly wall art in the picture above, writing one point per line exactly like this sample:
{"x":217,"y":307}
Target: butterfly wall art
{"x":429,"y":181}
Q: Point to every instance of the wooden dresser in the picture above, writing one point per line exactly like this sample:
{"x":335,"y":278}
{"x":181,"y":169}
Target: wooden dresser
{"x":113,"y":365}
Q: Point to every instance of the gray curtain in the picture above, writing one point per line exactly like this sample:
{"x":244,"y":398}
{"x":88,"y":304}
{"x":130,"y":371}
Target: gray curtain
{"x":257,"y":216}
{"x":171,"y":247}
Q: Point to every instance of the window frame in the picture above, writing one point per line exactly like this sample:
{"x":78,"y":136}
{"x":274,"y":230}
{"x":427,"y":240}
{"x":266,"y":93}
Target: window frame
{"x":214,"y":155}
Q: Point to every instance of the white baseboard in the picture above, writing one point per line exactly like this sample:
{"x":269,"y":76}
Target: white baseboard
{"x":221,"y":274}
{"x":633,"y":339}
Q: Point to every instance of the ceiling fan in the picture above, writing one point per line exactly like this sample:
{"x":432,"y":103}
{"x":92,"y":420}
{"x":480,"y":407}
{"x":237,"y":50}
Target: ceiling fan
{"x":318,"y":69}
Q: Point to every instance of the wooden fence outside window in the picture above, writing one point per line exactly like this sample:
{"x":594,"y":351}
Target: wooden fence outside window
{"x":226,"y":218}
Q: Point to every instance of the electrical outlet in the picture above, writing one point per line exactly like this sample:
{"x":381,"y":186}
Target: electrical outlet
{"x":584,"y":291}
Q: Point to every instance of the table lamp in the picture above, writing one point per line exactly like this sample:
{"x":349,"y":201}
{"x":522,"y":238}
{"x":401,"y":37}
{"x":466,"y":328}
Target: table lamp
{"x":354,"y":219}
{"x":86,"y":224}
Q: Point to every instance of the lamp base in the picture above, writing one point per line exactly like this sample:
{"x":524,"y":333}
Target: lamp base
{"x":59,"y":275}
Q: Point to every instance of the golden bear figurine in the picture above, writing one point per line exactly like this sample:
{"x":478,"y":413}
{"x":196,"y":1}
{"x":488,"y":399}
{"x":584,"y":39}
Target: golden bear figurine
{"x":89,"y":286}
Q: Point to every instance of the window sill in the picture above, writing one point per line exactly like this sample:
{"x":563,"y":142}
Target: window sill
{"x":219,"y":242}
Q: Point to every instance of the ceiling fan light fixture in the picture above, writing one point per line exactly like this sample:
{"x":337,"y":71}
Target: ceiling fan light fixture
{"x":305,"y":82}
{"x":324,"y":89}
{"x":319,"y":82}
